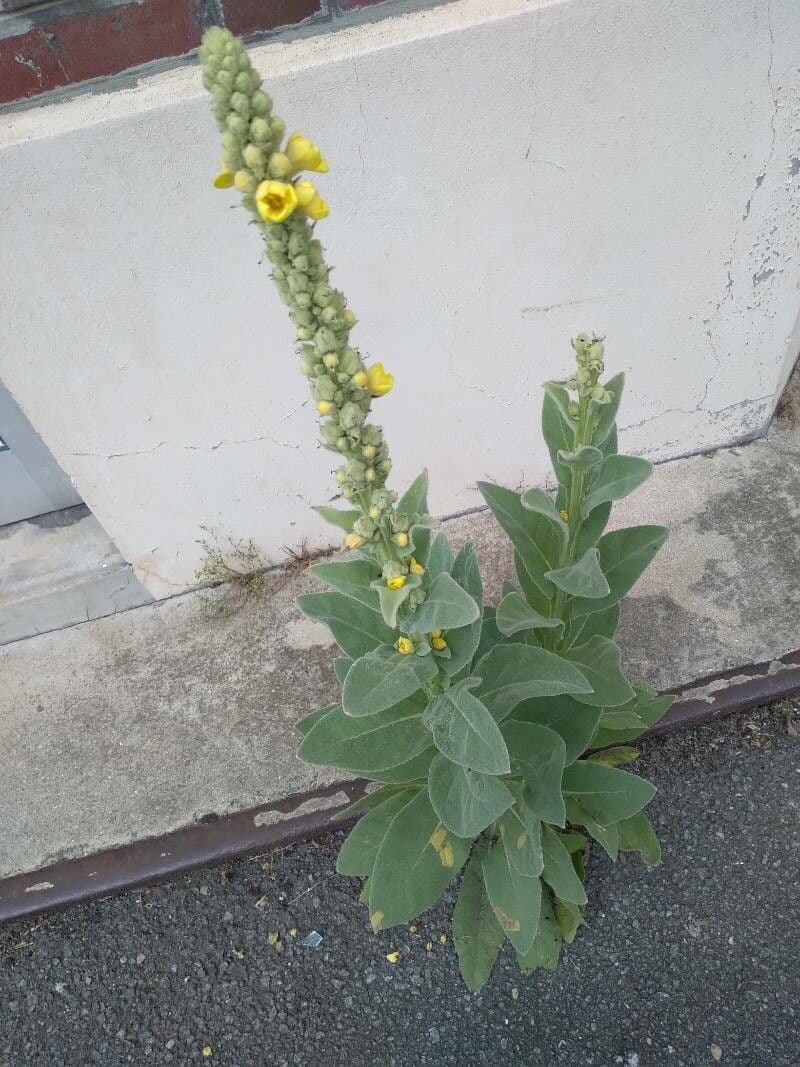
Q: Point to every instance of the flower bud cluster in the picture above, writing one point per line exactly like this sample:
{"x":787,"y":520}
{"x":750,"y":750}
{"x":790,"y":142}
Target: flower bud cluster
{"x":589,"y":353}
{"x":255,"y":162}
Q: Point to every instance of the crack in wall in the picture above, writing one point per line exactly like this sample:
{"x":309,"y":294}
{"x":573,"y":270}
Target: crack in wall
{"x":189,"y":448}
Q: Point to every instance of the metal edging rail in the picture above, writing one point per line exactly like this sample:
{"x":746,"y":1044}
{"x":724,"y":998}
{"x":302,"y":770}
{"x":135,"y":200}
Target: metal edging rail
{"x":214,"y":840}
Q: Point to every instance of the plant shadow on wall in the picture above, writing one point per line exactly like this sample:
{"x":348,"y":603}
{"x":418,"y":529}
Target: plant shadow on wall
{"x":479,"y":724}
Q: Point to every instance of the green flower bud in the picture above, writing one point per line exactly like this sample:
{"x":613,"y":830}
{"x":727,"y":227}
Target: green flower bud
{"x":595,"y":352}
{"x":375,"y":512}
{"x":600,"y":395}
{"x":254,"y":157}
{"x":349,"y":361}
{"x":392,"y":569}
{"x":324,"y":339}
{"x":323,"y":295}
{"x":573,"y":409}
{"x":330,"y":360}
{"x":330,"y":316}
{"x":303,"y":300}
{"x":241,"y":105}
{"x":308,"y":363}
{"x":260,"y":132}
{"x":330,"y":432}
{"x":242,"y":82}
{"x":365,"y":527}
{"x":351,"y":416}
{"x":298,"y":283}
{"x":372,"y":435}
{"x":370,"y":474}
{"x":347,"y":492}
{"x":581,"y":343}
{"x":301,"y":263}
{"x":342,"y":443}
{"x":260,"y":103}
{"x":369,"y":451}
{"x":277,"y":129}
{"x":583,"y":376}
{"x":303,"y":317}
{"x":297,"y":244}
{"x":341,"y":475}
{"x":224,"y":84}
{"x":237,"y":125}
{"x":385,"y":466}
{"x":324,"y":389}
{"x":356,"y":471}
{"x":304,"y":333}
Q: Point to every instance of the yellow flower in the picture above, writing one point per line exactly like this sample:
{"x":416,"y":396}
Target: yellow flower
{"x":404,"y":645}
{"x":304,"y":154}
{"x":324,"y":407}
{"x":275,"y":200}
{"x":416,"y":568}
{"x":379,"y":381}
{"x":224,"y":180}
{"x":438,"y":643}
{"x":401,"y":539}
{"x":354,"y":540}
{"x":360,"y":379}
{"x":310,"y":201}
{"x":564,"y":515}
{"x":208,"y":1051}
{"x":396,"y":583}
{"x":244,"y":181}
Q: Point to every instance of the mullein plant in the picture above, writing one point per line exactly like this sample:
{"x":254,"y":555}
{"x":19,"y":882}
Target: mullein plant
{"x":494,"y":735}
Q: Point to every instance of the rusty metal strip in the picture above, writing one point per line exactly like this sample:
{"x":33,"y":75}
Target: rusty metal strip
{"x":215,"y":840}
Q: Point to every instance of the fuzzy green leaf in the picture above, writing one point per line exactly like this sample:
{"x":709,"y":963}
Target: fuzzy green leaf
{"x":546,"y":948}
{"x":583,"y":578}
{"x":356,"y":628}
{"x":477,"y":935}
{"x":382,"y":679}
{"x":521,"y":831}
{"x":463,"y":641}
{"x":308,"y":721}
{"x":414,"y":500}
{"x":627,"y":722}
{"x":343,"y":519}
{"x":447,"y":606}
{"x":598,"y":624}
{"x":512,"y":673}
{"x":440,"y":556}
{"x":371,"y":744}
{"x":575,"y":723}
{"x":357,"y":854}
{"x":569,"y":918}
{"x":413,"y":770}
{"x":637,"y":835}
{"x":539,"y":501}
{"x":538,"y":755}
{"x":624,"y":556}
{"x":608,"y":795}
{"x":341,"y":665}
{"x":613,"y":757}
{"x":515,"y":614}
{"x":539,"y":601}
{"x":534,"y":537}
{"x":465,"y":732}
{"x":618,"y":477}
{"x":351,"y":577}
{"x":415,"y":863}
{"x":465,"y":801}
{"x":607,"y":413}
{"x":371,"y":800}
{"x":582,"y":458}
{"x":558,"y":871}
{"x":391,"y":600}
{"x":561,"y":398}
{"x":515,"y":899}
{"x":559,"y":435}
{"x":605,"y":834}
{"x":598,"y":661}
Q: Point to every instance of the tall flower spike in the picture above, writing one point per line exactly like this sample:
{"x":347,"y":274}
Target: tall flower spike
{"x":265,"y":171}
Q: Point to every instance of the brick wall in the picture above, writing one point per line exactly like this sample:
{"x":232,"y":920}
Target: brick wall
{"x":47,"y":44}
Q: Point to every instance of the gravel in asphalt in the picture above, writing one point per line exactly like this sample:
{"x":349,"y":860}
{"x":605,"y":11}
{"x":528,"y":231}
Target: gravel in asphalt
{"x":695,"y":962}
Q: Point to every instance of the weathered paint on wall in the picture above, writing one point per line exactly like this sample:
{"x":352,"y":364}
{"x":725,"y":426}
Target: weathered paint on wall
{"x":502,"y":175}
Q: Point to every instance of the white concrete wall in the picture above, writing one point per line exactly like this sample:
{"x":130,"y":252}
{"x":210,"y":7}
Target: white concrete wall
{"x":503,"y":174}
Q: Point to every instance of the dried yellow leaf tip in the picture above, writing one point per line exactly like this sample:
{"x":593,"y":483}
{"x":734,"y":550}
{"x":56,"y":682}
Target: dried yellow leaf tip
{"x":376,"y":919}
{"x":429,"y":946}
{"x":438,"y":837}
{"x":443,"y":939}
{"x":443,"y":850}
{"x":509,"y":924}
{"x":393,"y":957}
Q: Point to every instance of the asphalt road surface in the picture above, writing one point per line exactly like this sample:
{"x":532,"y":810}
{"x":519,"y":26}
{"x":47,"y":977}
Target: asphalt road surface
{"x":695,"y":962}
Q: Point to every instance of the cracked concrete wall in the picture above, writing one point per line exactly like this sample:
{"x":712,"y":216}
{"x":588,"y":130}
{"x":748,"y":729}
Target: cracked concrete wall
{"x":503,"y":174}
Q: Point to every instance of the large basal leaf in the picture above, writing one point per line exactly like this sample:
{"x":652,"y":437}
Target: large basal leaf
{"x":351,"y":577}
{"x":464,"y":641}
{"x":627,"y":722}
{"x":355,"y":627}
{"x":512,"y":673}
{"x":413,"y":770}
{"x":414,"y":865}
{"x":598,"y":661}
{"x":546,"y":948}
{"x":538,"y":755}
{"x":624,"y":556}
{"x":515,"y":614}
{"x":598,"y":624}
{"x":618,"y":476}
{"x":477,"y":935}
{"x":515,"y":899}
{"x":605,"y":834}
{"x":447,"y":606}
{"x":558,"y":871}
{"x":414,"y":500}
{"x":575,"y":723}
{"x":308,"y":721}
{"x":607,"y":794}
{"x":371,"y":744}
{"x":607,"y":413}
{"x":637,"y":835}
{"x":465,"y":732}
{"x":382,"y":679}
{"x":343,"y":519}
{"x":465,"y":801}
{"x":521,"y":831}
{"x":372,"y":800}
{"x":534,"y":537}
{"x":583,"y":578}
{"x":357,"y":854}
